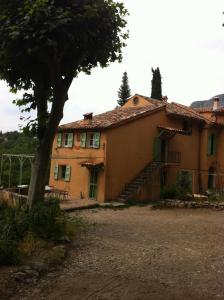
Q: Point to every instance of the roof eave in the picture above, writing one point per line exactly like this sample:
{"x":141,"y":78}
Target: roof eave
{"x":118,"y":124}
{"x":186,"y":117}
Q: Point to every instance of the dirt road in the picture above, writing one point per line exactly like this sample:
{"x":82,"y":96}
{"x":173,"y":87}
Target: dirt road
{"x":137,"y":254}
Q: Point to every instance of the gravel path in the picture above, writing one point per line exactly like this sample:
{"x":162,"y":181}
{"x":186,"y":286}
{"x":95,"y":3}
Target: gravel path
{"x":138,"y":253}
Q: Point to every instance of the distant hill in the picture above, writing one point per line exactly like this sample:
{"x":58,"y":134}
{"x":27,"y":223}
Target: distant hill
{"x":208,"y":103}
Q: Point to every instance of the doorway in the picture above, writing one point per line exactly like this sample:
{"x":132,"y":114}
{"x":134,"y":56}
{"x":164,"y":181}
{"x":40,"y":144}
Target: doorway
{"x":211,"y":178}
{"x":163,"y":150}
{"x":160,"y":149}
{"x":93,"y":183}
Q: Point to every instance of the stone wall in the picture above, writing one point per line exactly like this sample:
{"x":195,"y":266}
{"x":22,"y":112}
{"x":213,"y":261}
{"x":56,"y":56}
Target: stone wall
{"x":173,"y":203}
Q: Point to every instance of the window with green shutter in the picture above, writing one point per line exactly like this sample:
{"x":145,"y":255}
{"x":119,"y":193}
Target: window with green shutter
{"x":214,"y":144}
{"x":67,"y":173}
{"x":83,"y":140}
{"x":59,"y":139}
{"x":70,"y":140}
{"x":96,"y":140}
{"x":93,"y":140}
{"x":62,"y":172}
{"x":212,"y":141}
{"x":56,"y":169}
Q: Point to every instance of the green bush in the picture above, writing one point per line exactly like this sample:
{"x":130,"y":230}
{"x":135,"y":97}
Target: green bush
{"x":13,"y":225}
{"x":170,"y":192}
{"x":47,"y":221}
{"x":184,"y":182}
{"x":9,"y":253}
{"x":44,"y":221}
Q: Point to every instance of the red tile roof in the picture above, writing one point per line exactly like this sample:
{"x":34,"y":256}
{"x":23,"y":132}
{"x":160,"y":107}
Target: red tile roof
{"x":124,"y":115}
{"x":151,"y":100}
{"x":178,"y":109}
{"x":184,"y":111}
{"x":113,"y":118}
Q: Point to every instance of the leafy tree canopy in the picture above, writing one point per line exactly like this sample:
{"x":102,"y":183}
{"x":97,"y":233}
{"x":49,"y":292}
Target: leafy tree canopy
{"x":44,"y":44}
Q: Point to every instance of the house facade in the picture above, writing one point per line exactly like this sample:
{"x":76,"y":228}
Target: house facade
{"x":131,"y":151}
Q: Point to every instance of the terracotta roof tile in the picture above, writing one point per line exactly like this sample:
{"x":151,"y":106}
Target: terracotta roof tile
{"x":209,"y":109}
{"x":123,"y":115}
{"x":185,"y":111}
{"x":174,"y":130}
{"x":113,"y":118}
{"x":178,"y":109}
{"x":151,"y":100}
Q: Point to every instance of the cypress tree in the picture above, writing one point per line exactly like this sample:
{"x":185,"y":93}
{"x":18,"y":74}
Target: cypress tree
{"x":124,"y":91}
{"x":156,"y":84}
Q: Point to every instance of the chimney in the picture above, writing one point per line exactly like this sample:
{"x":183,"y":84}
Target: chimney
{"x":88,"y":116}
{"x":215,"y":103}
{"x":165,"y":98}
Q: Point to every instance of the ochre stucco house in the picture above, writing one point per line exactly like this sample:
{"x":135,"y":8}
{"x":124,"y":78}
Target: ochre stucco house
{"x":132,"y":150}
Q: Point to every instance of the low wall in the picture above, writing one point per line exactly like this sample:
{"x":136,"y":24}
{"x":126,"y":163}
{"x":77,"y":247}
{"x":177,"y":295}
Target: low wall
{"x":173,"y":203}
{"x":13,"y":197}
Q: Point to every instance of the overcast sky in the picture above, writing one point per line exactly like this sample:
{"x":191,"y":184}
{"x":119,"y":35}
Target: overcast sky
{"x":184,"y":38}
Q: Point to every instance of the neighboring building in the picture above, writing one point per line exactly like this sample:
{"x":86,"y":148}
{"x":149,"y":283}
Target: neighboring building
{"x":132,"y":150}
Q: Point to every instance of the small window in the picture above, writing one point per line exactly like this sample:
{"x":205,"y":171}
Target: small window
{"x":68,"y":140}
{"x":62,"y":172}
{"x":187,"y":126}
{"x":211,"y":144}
{"x":65,"y":140}
{"x":90,"y":140}
{"x":135,"y":100}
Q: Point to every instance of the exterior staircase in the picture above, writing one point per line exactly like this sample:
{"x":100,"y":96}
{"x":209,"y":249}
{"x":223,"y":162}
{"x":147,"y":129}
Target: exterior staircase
{"x":139,"y":181}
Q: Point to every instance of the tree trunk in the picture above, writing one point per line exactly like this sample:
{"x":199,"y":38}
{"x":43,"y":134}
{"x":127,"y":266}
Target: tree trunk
{"x":39,"y":174}
{"x":42,"y":158}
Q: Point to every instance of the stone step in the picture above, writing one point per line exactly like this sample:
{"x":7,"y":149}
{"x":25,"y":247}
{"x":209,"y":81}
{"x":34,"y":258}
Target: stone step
{"x":139,"y":181}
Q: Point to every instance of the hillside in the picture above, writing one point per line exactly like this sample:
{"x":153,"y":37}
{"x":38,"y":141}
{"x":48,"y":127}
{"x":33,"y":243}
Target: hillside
{"x":207,"y":103}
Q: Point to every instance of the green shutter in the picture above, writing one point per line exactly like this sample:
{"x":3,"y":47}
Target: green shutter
{"x":157,"y":149}
{"x":96,"y":140}
{"x":214,"y":143}
{"x":59,"y":139}
{"x":68,"y":173}
{"x":83,"y":140}
{"x":70,"y":139}
{"x":209,"y":146}
{"x":56,"y":169}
